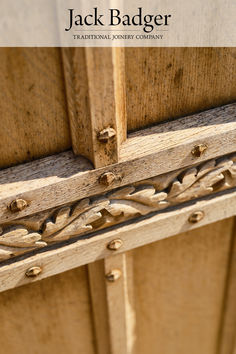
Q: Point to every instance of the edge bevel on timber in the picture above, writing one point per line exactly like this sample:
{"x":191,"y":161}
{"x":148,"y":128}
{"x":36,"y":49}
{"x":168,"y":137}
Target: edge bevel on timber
{"x":89,"y":113}
{"x":142,"y":232}
{"x":141,"y":198}
{"x":64,"y":178}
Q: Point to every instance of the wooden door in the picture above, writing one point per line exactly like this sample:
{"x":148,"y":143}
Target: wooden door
{"x":117,"y":200}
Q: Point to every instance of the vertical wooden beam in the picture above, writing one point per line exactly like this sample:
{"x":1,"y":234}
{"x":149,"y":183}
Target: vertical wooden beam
{"x":117,"y":275}
{"x":120,"y":304}
{"x":95,"y":84}
{"x":227,"y":336}
{"x":99,"y":306}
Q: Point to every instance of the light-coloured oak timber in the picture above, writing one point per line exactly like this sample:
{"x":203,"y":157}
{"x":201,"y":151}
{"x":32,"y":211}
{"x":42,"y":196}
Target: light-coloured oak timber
{"x":179,"y":136}
{"x":227,"y":333}
{"x":141,"y":198}
{"x":113,"y":304}
{"x":133,"y":235}
{"x":65,"y":178}
{"x":120,"y":304}
{"x":98,"y":297}
{"x":33,"y":111}
{"x":166,"y":83}
{"x":48,"y":317}
{"x":95,"y":80}
{"x":179,"y":290}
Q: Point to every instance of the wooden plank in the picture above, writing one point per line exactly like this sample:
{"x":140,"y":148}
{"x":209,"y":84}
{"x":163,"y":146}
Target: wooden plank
{"x":65,"y":178}
{"x":99,"y":306}
{"x":120,"y":303}
{"x":96,"y":98}
{"x":113,"y":304}
{"x":227,"y":333}
{"x":51,"y":316}
{"x":33,"y":110}
{"x":166,"y":83}
{"x":133,"y":235}
{"x":203,"y":128}
{"x":179,"y":291}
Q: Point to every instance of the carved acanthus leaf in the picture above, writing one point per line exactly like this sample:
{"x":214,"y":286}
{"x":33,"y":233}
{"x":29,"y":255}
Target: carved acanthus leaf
{"x":92,"y":214}
{"x":67,"y":225}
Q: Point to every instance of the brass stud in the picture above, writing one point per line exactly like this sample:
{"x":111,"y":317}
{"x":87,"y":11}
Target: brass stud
{"x":33,"y":271}
{"x":196,"y":216}
{"x":18,"y":205}
{"x":113,"y":275}
{"x":199,"y":150}
{"x":107,"y":178}
{"x":106,"y":134}
{"x":114,"y":245}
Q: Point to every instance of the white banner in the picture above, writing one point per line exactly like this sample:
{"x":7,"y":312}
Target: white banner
{"x":103,"y":23}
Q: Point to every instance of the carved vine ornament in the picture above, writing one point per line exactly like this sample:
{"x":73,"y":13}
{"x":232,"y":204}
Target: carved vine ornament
{"x":91,"y":214}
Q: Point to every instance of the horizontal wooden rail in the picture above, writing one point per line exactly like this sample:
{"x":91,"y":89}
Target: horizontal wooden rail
{"x":174,"y":140}
{"x":88,"y":215}
{"x":65,"y":178}
{"x":142,"y":232}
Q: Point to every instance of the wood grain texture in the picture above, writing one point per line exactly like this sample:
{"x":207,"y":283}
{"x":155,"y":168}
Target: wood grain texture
{"x":120,"y":303}
{"x":65,"y":178}
{"x":179,"y":290}
{"x":133,"y":235}
{"x":227,"y":333}
{"x":98,"y":297}
{"x":205,"y":127}
{"x":92,"y":214}
{"x":165,"y":83}
{"x":51,"y":316}
{"x":33,"y":111}
{"x":96,"y":99}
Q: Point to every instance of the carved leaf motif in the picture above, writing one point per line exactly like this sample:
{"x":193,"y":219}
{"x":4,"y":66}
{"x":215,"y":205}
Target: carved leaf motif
{"x":160,"y":183}
{"x":6,"y":253}
{"x":19,"y":236}
{"x":147,"y":195}
{"x":73,"y":221}
{"x":184,"y":182}
{"x":62,"y":217}
{"x":128,"y":202}
{"x":206,"y":167}
{"x":127,"y":208}
{"x":60,"y":220}
{"x":230,"y":175}
{"x":200,"y":182}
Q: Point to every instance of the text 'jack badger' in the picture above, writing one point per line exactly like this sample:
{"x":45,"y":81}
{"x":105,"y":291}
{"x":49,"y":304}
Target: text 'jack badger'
{"x":115,"y":18}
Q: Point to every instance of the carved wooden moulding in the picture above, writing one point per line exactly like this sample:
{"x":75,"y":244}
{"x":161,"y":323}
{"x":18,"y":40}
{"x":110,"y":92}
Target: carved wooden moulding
{"x":92,"y":214}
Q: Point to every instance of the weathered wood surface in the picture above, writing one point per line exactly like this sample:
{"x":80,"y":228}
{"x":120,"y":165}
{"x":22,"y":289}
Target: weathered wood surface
{"x":51,"y":316}
{"x":120,"y":303}
{"x":179,"y":286}
{"x":227,"y":333}
{"x":191,"y":268}
{"x":96,"y":99}
{"x":92,"y":214}
{"x":133,"y":235}
{"x":177,"y":136}
{"x":166,"y":83}
{"x":64,"y":178}
{"x":33,"y":103}
{"x":98,"y":296}
{"x":33,"y":110}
